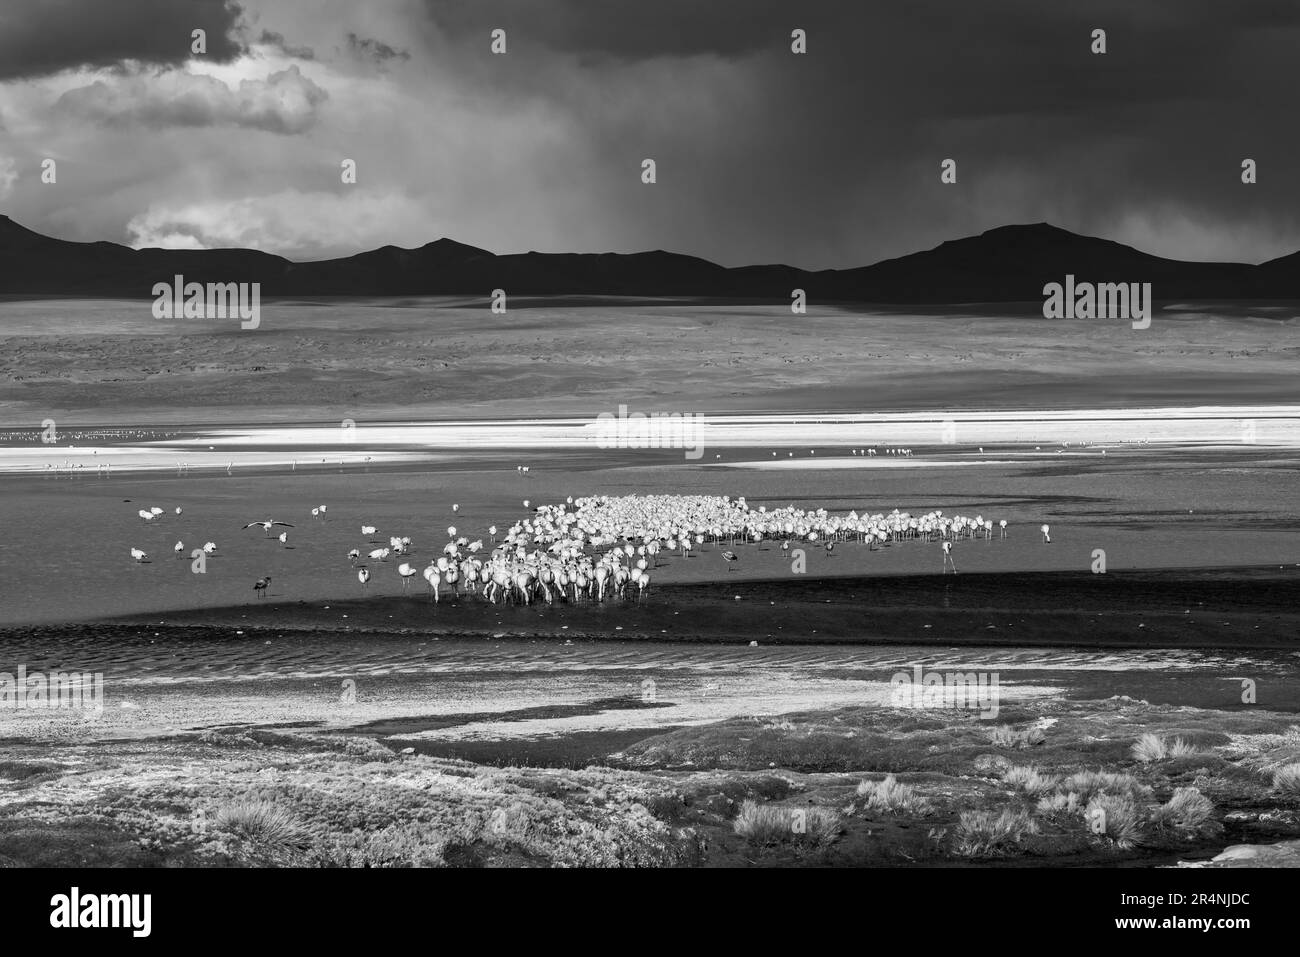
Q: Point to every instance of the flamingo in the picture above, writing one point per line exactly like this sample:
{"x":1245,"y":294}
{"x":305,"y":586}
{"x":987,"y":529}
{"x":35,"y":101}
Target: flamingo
{"x":209,"y":547}
{"x":354,"y":555}
{"x":729,"y":557}
{"x":1002,"y":527}
{"x":524,"y":582}
{"x":431,"y":576}
{"x":284,"y":539}
{"x":261,"y":585}
{"x":266,"y":526}
{"x":947,"y":558}
{"x":369,"y":532}
{"x":1047,"y":534}
{"x":407,"y":572}
{"x":139,"y":554}
{"x":363,"y":576}
{"x":179,"y":549}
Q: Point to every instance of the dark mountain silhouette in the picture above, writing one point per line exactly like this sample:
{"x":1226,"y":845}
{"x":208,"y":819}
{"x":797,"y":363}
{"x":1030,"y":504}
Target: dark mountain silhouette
{"x":1007,"y":264}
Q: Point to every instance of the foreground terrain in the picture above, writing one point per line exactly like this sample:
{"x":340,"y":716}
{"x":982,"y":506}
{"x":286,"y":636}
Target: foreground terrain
{"x":1049,"y":782}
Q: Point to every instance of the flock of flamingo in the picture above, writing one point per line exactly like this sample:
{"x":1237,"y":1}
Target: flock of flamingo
{"x":604,"y":547}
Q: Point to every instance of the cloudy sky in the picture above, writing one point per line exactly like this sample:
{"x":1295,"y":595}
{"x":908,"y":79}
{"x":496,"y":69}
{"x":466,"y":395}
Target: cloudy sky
{"x":831,"y":158}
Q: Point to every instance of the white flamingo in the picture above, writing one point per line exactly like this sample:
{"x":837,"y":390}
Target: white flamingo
{"x":363,"y":576}
{"x":1047,"y":534}
{"x":407,"y":572}
{"x":139,"y":554}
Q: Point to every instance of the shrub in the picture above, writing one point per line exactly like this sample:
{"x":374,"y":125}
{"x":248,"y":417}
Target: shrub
{"x":261,"y":822}
{"x":1058,"y":802}
{"x":1287,"y":779}
{"x":1152,"y":747}
{"x":765,"y":824}
{"x":1115,"y":816}
{"x":890,"y":796}
{"x":988,"y":833}
{"x":1187,"y":810}
{"x":1029,"y":780}
{"x":1005,"y":736}
{"x":1090,"y":783}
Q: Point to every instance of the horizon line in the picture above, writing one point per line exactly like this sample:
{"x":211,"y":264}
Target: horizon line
{"x":646,"y":252}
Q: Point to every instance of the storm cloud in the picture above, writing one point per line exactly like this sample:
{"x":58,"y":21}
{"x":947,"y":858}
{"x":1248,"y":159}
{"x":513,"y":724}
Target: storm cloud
{"x":41,"y":37}
{"x":827,"y":158}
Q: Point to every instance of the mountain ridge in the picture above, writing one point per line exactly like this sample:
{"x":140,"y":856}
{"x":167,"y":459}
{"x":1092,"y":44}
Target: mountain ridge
{"x":1008,"y":263}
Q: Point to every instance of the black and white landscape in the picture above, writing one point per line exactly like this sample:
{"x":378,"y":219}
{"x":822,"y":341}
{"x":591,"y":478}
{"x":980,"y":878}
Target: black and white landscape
{"x":526,"y":434}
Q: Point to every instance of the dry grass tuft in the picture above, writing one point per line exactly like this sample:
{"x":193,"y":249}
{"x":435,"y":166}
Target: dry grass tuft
{"x":892,"y":797}
{"x":1005,"y":736}
{"x":1087,"y":784}
{"x":767,"y":824}
{"x":261,"y":822}
{"x":1028,"y":779}
{"x":1152,"y":747}
{"x":1187,"y":810}
{"x":992,"y":833}
{"x":1115,"y":817}
{"x":1287,"y":779}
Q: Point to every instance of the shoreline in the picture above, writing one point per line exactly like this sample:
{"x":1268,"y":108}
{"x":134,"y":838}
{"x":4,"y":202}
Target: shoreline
{"x":1205,"y":608}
